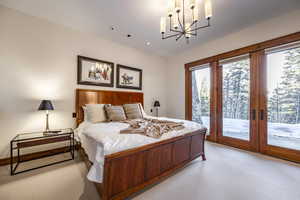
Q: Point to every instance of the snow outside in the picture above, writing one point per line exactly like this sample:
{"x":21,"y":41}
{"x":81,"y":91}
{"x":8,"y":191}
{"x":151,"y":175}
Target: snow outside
{"x":283,"y":81}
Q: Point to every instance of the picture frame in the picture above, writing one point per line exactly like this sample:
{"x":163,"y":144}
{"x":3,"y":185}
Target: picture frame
{"x":96,"y":72}
{"x":129,"y":77}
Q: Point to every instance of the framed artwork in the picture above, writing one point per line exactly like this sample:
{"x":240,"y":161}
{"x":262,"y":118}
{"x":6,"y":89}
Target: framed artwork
{"x":91,"y":71}
{"x":129,"y":77}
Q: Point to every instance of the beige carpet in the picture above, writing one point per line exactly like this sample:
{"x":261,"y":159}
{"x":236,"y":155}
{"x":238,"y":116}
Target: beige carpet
{"x":228,"y":174}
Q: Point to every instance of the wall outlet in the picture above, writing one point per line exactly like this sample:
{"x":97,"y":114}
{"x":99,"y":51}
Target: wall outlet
{"x":74,"y":115}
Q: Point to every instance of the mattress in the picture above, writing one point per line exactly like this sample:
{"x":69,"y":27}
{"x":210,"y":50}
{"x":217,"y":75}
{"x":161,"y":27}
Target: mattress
{"x":101,"y":139}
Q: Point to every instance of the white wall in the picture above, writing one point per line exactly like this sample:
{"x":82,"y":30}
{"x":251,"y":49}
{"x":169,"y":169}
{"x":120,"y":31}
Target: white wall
{"x":38,"y":60}
{"x":265,"y":30}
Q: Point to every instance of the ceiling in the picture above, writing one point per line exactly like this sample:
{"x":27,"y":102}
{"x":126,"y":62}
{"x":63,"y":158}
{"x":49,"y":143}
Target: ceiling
{"x":141,"y":18}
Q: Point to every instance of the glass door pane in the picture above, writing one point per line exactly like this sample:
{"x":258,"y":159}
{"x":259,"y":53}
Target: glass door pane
{"x":283,"y":87}
{"x":201,"y":96}
{"x":236,"y":88}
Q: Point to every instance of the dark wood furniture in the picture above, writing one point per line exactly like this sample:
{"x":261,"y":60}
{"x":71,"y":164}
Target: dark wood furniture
{"x":26,"y":140}
{"x":258,"y":100}
{"x":129,"y":171}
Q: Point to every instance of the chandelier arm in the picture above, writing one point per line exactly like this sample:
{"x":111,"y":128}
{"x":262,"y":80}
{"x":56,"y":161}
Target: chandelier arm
{"x":169,"y":36}
{"x":193,"y":34}
{"x":176,"y":31}
{"x":201,"y":27}
{"x":183,"y":15}
{"x":173,"y":30}
{"x":180,"y":22}
{"x":179,"y":37}
{"x":192,"y":24}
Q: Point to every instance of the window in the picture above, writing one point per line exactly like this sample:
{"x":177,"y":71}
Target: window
{"x":236,"y":87}
{"x":201,"y":95}
{"x":283,"y":90}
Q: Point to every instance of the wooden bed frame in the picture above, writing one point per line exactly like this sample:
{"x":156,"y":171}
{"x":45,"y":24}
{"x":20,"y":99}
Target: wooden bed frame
{"x":130,"y":171}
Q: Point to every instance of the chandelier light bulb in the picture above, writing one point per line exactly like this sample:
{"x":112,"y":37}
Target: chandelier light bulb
{"x":192,"y":4}
{"x":208,"y":9}
{"x":171,"y":7}
{"x":196,"y":13}
{"x":177,"y":5}
{"x":163,"y":25}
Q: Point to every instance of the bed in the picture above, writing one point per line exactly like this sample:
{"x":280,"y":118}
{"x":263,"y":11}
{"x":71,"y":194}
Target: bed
{"x":128,"y":167}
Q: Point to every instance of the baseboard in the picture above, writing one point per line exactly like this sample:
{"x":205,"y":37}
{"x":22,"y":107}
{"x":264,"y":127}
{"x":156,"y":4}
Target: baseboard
{"x":36,"y":155}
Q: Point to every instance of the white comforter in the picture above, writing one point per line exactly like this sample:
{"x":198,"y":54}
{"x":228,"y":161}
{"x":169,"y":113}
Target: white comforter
{"x":102,"y":139}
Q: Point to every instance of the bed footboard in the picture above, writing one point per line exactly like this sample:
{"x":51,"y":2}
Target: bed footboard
{"x":130,"y":171}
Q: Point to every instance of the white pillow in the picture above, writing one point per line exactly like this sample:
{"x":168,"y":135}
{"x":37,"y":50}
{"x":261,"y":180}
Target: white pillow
{"x":95,"y":113}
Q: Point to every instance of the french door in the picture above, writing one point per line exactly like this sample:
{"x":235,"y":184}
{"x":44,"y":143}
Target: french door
{"x":237,"y":114}
{"x":222,"y":100}
{"x":251,"y":101}
{"x":280,"y":124}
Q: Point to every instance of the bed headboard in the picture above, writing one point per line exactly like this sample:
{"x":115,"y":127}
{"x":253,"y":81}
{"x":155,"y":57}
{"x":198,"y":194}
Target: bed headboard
{"x":85,"y":96}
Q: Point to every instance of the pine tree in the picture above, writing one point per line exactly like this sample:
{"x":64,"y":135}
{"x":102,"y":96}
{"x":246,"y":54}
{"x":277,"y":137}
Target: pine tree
{"x":196,"y":107}
{"x":274,"y":106}
{"x":290,"y":86}
{"x":284,"y":104}
{"x":236,"y":90}
{"x":204,"y":98}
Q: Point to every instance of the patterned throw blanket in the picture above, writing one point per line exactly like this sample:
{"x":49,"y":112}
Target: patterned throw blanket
{"x":151,"y":127}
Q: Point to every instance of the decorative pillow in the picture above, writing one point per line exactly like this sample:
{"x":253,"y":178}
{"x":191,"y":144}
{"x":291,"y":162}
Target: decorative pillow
{"x":133,"y":111}
{"x":115,"y":113}
{"x":95,"y":113}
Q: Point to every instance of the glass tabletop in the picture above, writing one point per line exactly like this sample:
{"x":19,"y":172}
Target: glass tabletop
{"x":41,"y":134}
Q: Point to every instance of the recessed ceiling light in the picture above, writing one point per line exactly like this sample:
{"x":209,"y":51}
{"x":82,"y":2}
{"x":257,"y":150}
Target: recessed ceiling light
{"x":148,"y":43}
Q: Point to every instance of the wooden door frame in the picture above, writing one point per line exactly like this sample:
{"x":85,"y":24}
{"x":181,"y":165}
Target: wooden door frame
{"x":257,"y":65}
{"x":265,"y":148}
{"x":250,"y":145}
{"x":188,"y":98}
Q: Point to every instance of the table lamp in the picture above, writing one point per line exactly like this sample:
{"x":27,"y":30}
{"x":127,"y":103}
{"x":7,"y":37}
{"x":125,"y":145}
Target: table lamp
{"x":156,"y":105}
{"x":46,"y":105}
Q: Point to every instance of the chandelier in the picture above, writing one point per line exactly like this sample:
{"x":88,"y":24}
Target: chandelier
{"x":184,"y":19}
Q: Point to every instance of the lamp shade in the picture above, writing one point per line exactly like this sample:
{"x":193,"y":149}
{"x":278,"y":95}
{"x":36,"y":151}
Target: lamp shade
{"x":46,"y":105}
{"x":156,"y":104}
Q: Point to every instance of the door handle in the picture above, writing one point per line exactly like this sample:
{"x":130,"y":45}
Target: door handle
{"x":261,"y":114}
{"x":253,"y":114}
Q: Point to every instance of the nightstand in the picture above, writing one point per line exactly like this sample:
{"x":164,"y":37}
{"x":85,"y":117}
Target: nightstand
{"x":26,"y":140}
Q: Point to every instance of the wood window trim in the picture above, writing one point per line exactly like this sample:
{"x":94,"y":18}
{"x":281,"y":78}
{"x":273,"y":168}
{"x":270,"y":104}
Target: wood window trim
{"x":248,"y":49}
{"x":213,"y":94}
